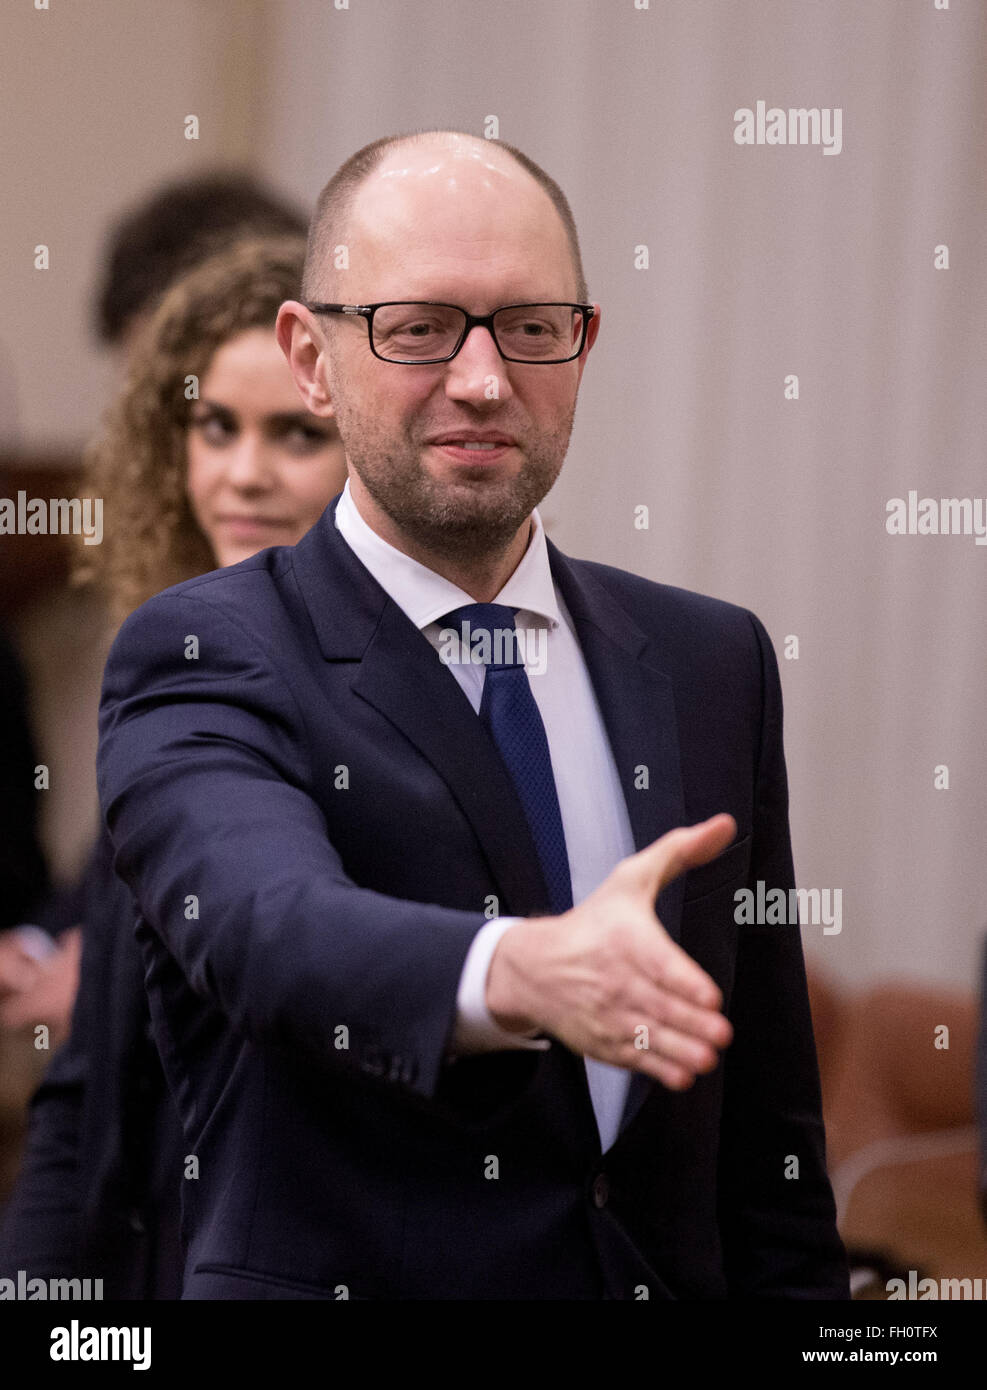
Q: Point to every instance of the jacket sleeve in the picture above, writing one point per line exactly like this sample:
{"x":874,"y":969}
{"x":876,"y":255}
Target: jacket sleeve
{"x":206,"y":787}
{"x":777,"y":1213}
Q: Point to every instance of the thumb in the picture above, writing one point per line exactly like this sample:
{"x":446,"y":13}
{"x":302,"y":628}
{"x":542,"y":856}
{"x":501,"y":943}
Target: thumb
{"x":685,"y":848}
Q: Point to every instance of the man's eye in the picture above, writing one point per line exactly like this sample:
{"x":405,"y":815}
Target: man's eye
{"x":415,"y":336}
{"x":520,"y":327}
{"x":419,"y":329}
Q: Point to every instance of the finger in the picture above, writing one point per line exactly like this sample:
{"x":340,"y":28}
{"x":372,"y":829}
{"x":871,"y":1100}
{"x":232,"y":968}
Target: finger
{"x":685,"y":848}
{"x":685,"y":1051}
{"x":696,"y":1048}
{"x":670,"y":1074}
{"x":670,"y":968}
{"x":702,"y":1025}
{"x":19,"y":975}
{"x":647,"y":999}
{"x":664,"y":1045}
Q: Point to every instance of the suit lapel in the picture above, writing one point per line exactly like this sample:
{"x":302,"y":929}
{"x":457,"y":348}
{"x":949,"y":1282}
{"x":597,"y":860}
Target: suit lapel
{"x":637,"y":704}
{"x":638,"y":709}
{"x":401,"y":676}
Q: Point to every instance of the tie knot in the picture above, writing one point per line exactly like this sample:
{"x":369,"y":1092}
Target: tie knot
{"x":482,"y":634}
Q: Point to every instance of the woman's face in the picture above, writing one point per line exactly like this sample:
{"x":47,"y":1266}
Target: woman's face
{"x":261,"y":469}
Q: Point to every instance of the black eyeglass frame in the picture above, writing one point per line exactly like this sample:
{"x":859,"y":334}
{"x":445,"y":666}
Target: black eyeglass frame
{"x":367,"y":311}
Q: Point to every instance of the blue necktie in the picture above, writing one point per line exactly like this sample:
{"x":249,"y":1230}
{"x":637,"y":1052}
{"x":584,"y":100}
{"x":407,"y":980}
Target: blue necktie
{"x":509,"y":711}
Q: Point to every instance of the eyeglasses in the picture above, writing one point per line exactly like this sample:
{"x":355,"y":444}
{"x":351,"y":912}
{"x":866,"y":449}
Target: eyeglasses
{"x":423,"y":332}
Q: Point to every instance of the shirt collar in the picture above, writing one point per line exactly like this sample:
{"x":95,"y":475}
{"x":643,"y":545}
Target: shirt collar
{"x":426,"y":596}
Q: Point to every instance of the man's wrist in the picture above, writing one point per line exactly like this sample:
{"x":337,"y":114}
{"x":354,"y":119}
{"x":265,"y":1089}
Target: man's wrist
{"x":508,"y":993}
{"x":474,"y":1030}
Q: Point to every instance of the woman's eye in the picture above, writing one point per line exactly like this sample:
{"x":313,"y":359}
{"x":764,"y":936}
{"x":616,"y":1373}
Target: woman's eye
{"x":214,"y":428}
{"x":304,"y":439}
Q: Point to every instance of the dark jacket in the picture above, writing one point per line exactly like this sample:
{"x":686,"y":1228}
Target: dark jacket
{"x":312,"y":818}
{"x":98,"y":1194}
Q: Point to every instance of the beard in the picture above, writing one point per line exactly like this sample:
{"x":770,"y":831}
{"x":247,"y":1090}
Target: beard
{"x":476,"y":514}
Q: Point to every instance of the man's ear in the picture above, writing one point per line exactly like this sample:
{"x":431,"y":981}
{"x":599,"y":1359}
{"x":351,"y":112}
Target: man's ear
{"x":592,"y":329}
{"x":301,"y":340}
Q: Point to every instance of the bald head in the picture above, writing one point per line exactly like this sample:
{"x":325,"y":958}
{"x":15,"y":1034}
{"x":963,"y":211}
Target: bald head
{"x":476,"y":190}
{"x":447,"y":455}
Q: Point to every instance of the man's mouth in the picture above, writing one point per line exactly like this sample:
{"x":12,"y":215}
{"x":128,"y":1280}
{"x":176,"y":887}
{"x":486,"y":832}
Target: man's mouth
{"x":473,"y":448}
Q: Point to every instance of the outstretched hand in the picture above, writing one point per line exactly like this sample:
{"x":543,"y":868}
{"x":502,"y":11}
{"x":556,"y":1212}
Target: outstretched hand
{"x":606,"y":979}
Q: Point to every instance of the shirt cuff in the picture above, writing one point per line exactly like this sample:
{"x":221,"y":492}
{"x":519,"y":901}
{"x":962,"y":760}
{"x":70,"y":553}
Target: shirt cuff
{"x":475,"y":1030}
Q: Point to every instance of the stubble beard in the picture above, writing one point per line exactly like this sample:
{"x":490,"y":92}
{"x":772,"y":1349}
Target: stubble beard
{"x":475,"y":516}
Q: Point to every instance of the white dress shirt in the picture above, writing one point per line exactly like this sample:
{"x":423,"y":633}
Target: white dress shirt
{"x":594,"y":815}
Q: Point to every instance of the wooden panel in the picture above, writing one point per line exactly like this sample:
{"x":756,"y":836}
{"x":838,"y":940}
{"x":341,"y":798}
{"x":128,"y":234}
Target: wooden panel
{"x":31,"y":564}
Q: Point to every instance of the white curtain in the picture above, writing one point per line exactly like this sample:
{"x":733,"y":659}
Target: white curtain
{"x":765,"y":261}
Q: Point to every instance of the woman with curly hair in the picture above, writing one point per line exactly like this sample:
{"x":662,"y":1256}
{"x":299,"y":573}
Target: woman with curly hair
{"x":207,"y":456}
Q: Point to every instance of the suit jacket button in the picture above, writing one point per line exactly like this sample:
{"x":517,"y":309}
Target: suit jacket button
{"x":601,"y":1190}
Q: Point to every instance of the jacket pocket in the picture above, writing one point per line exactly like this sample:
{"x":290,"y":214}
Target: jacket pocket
{"x":727,"y":868}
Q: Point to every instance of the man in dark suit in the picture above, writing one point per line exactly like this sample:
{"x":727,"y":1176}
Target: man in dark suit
{"x":407,"y":1065}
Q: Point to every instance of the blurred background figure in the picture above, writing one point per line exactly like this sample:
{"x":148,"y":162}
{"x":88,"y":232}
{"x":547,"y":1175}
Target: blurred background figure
{"x":23,"y":887}
{"x":187,"y":484}
{"x":23,"y":871}
{"x":169,"y":233}
{"x":60,"y":634}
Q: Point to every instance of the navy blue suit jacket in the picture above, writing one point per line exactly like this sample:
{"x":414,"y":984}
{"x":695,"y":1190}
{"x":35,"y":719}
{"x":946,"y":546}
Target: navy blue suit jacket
{"x":312,"y":820}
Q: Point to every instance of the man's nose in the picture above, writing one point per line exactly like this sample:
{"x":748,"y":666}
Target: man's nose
{"x":477,"y":373}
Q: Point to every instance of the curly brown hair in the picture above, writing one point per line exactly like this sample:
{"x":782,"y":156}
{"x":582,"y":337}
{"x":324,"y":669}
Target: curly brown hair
{"x":138,"y":462}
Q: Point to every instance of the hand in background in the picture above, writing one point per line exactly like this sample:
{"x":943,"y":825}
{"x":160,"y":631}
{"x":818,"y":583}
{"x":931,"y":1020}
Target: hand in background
{"x":34,"y":991}
{"x":18,"y":966}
